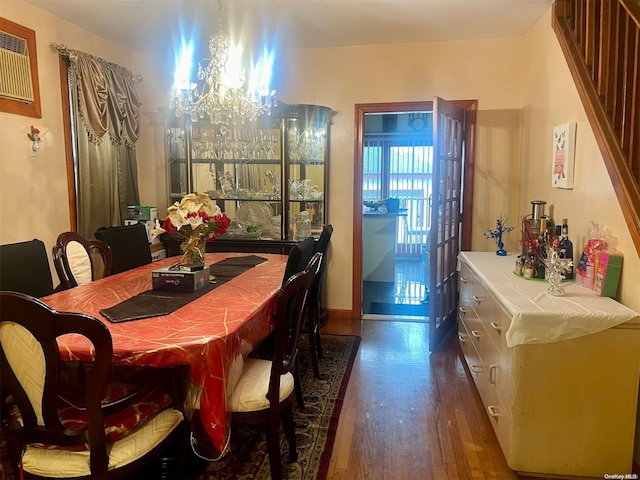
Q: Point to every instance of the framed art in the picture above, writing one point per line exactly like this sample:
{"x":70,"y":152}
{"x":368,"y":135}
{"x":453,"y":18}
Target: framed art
{"x":563,"y":158}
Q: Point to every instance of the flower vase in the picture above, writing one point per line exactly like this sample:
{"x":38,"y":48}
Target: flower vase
{"x":501,"y":251}
{"x":193,"y":249}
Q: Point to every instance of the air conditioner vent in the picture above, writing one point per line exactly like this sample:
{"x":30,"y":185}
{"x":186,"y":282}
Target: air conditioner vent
{"x":15,"y":70}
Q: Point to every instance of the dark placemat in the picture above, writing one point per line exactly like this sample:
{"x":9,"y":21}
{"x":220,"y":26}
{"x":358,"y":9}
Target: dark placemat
{"x":155,"y":303}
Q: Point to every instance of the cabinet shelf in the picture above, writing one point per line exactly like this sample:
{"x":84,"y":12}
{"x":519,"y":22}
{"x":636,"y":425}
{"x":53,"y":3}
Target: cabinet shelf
{"x":286,"y":153}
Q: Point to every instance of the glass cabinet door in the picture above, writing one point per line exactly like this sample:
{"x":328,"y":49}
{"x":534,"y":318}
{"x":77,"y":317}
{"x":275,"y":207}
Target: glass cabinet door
{"x":307,"y":141}
{"x":242,"y":172}
{"x":268,"y":176}
{"x":176,"y":161}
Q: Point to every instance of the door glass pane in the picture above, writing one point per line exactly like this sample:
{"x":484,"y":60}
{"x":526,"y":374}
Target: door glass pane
{"x":400,"y":166}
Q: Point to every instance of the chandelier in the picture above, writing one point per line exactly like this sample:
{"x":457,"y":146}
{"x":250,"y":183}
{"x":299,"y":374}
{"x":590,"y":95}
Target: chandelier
{"x":220,"y":92}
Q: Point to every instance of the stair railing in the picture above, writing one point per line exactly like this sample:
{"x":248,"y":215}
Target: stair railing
{"x":600,"y":40}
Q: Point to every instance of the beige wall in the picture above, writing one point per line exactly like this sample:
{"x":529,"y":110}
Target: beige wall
{"x":340,"y":78}
{"x":550,"y":98}
{"x":33,"y":190}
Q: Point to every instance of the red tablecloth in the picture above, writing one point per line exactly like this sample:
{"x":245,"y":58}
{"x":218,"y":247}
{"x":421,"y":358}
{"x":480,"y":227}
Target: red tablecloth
{"x":210,"y":334}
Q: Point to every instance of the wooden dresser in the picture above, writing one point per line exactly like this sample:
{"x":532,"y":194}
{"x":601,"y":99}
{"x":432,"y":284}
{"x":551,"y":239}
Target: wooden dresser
{"x":558,"y":376}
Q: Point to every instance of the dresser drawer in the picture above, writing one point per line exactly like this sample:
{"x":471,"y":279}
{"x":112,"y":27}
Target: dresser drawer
{"x":470,"y":288}
{"x":487,"y":379}
{"x":470,"y":353}
{"x":496,"y":322}
{"x":498,"y":368}
{"x":501,"y":421}
{"x":556,"y":407}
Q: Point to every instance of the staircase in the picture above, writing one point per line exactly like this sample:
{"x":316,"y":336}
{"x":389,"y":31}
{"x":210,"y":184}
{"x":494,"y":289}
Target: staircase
{"x":601,"y":43}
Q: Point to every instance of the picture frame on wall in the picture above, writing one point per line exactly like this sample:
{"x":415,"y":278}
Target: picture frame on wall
{"x":563,"y":157}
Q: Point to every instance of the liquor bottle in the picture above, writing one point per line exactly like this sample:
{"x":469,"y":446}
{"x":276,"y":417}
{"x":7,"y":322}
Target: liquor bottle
{"x":566,"y":249}
{"x":541,"y":251}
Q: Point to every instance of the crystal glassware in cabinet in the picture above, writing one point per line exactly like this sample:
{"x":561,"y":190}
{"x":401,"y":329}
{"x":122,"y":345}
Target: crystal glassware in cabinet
{"x":306,"y":130}
{"x":176,"y":154}
{"x":262,"y":174}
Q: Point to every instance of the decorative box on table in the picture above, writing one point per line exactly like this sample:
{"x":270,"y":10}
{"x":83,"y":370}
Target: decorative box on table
{"x":179,"y":279}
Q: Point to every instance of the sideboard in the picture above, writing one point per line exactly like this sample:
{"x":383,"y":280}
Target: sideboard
{"x":558,"y":376}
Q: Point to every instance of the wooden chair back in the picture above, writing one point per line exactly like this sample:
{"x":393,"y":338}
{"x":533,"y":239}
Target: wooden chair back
{"x":31,"y":371}
{"x":289,"y":313}
{"x":322,"y":245}
{"x":74,"y":258}
{"x":299,"y":257}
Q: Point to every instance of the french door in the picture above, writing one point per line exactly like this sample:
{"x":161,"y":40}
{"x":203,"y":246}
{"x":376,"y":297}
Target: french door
{"x":453,"y":229}
{"x":446,"y":219}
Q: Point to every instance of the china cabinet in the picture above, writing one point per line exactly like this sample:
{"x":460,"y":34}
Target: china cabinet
{"x":270,"y":176}
{"x":558,"y":376}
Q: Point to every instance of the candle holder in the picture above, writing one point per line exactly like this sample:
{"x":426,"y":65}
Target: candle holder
{"x":556,"y":268}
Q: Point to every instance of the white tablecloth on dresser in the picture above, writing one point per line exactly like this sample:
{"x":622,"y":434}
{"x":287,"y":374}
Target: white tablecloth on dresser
{"x":542,"y":318}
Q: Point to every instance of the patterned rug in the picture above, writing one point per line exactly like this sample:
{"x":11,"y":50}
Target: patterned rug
{"x":316,"y":426}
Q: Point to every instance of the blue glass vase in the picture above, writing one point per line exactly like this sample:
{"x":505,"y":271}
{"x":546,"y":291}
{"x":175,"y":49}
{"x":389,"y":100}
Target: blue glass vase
{"x":501,"y":251}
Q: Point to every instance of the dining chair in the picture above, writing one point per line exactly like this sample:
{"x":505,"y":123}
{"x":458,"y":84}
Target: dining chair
{"x":314,"y":312}
{"x":24,"y":267}
{"x":297,"y":260}
{"x":299,"y":257}
{"x":266,"y":388}
{"x":65,"y":433}
{"x":129,"y":246}
{"x":75,"y":260}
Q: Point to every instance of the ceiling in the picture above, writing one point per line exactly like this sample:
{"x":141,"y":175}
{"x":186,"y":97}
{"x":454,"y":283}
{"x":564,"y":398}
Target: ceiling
{"x":153,"y":25}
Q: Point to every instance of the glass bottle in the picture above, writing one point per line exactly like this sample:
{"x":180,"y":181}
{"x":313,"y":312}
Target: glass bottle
{"x":566,"y":249}
{"x":303,"y":226}
{"x":541,"y":253}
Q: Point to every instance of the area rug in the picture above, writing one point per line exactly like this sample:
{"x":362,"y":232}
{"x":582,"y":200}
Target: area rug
{"x":316,"y":424}
{"x":421,"y":310}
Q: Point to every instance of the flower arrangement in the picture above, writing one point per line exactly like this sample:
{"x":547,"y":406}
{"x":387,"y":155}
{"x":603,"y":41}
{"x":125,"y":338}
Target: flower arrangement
{"x":496,"y":234}
{"x":197,"y":220}
{"x":34,"y":134}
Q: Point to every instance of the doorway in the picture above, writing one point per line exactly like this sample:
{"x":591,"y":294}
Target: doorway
{"x":398,"y":165}
{"x":410,"y":110}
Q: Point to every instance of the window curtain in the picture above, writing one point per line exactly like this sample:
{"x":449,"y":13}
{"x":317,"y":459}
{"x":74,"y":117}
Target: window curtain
{"x":105,"y":112}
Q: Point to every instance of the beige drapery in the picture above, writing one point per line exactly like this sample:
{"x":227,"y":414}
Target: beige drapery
{"x":103,"y":102}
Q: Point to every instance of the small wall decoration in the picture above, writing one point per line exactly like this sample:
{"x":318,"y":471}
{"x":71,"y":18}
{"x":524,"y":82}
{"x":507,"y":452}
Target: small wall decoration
{"x":562,"y":163}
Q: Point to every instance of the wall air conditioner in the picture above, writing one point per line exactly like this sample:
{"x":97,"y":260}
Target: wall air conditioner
{"x":15,"y":68}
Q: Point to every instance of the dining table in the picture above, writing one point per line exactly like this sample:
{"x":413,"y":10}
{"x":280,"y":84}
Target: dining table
{"x":212,"y":333}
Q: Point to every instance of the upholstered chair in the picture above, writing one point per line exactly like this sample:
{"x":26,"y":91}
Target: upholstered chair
{"x":266,"y":387}
{"x":79,"y":261}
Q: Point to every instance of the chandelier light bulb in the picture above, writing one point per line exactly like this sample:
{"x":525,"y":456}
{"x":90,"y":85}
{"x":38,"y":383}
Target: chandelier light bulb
{"x":220,"y":92}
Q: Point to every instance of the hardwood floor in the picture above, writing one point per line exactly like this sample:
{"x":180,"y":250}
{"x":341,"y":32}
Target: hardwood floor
{"x":409,"y":414}
{"x":409,"y":288}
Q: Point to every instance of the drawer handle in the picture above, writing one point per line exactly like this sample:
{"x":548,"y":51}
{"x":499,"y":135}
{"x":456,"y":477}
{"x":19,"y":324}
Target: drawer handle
{"x":462,"y":279}
{"x":476,"y":333}
{"x":463,"y":310}
{"x":477,"y":298}
{"x":493,"y":369}
{"x":493,"y":411}
{"x":462,"y":339}
{"x":476,"y":368}
{"x":496,"y":326}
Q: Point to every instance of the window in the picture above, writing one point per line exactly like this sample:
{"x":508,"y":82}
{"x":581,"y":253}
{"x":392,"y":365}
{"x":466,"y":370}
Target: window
{"x":401,"y":166}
